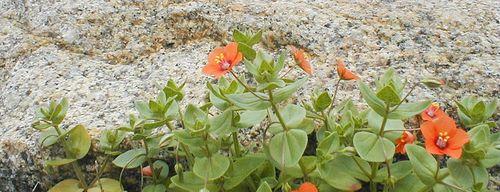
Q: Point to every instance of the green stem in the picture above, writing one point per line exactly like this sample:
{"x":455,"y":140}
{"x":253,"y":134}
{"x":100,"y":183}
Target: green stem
{"x":100,"y":172}
{"x":416,"y":129}
{"x":149,"y":161}
{"x":246,"y":86}
{"x":275,"y":109}
{"x":384,"y":121}
{"x":236,"y":144}
{"x":404,"y":98}
{"x":74,"y":164}
{"x":325,"y":120}
{"x":184,"y":147}
{"x":303,"y":169}
{"x":334,"y":96}
{"x":373,"y":185}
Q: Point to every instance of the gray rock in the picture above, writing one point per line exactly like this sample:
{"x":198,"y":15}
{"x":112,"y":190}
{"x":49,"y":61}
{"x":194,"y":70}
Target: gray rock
{"x":103,"y":55}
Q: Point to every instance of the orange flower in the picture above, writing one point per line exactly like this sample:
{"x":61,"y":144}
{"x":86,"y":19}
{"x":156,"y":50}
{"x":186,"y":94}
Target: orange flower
{"x":306,"y":187}
{"x":406,"y":138}
{"x":443,"y":137}
{"x":433,"y":112}
{"x":343,"y":72}
{"x":146,"y":171}
{"x":301,"y":59}
{"x":222,"y":60}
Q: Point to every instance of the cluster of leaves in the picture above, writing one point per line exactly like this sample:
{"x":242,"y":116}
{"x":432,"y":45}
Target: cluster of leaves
{"x":354,"y":148}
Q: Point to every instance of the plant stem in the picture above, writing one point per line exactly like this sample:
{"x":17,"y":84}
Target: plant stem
{"x":149,"y":161}
{"x":384,"y":121}
{"x":284,"y":74}
{"x":246,"y":86}
{"x":74,"y":164}
{"x":334,"y":96}
{"x":325,"y":120}
{"x":404,"y":98}
{"x":275,"y":109}
{"x":402,"y":130}
{"x":303,"y":169}
{"x":184,"y":147}
{"x":100,"y":172}
{"x":236,"y":144}
{"x":373,"y":185}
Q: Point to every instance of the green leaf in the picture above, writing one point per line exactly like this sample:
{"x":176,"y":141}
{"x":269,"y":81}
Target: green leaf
{"x":131,"y":159}
{"x":67,"y":185}
{"x":388,"y":95}
{"x":478,"y":111}
{"x":322,"y":102}
{"x":410,"y":183}
{"x":143,"y":109}
{"x":492,"y":157}
{"x":255,"y":38}
{"x":479,"y":138}
{"x":107,"y":185}
{"x":191,"y":182}
{"x":284,"y":93}
{"x":399,"y":170}
{"x":78,"y":142}
{"x":336,"y":174}
{"x":242,"y":168}
{"x":50,"y":137}
{"x":293,"y":115}
{"x":466,"y":174}
{"x":371,"y":99}
{"x":407,"y":110}
{"x":375,"y":122}
{"x":110,"y":140}
{"x":212,"y":167}
{"x":424,"y":165}
{"x":161,"y":169}
{"x":287,"y":147}
{"x":264,"y":187}
{"x":247,"y":51}
{"x":221,"y":124}
{"x":194,"y":118}
{"x":373,"y":148}
{"x":251,"y":118}
{"x":239,"y":36}
{"x":59,"y":162}
{"x":329,"y":144}
{"x":248,"y":101}
{"x":155,"y":188}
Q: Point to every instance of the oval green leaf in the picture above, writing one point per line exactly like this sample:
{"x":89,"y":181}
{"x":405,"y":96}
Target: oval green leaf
{"x":373,"y":148}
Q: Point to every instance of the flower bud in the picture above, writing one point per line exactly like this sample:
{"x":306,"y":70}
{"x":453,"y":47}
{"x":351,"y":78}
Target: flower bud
{"x":179,"y":170}
{"x":432,"y":82}
{"x":146,"y":171}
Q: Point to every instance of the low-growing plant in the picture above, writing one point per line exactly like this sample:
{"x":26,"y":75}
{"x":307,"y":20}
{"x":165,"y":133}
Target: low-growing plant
{"x":376,"y":148}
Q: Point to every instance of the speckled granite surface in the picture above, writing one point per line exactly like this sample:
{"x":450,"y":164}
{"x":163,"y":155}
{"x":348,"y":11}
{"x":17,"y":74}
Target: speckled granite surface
{"x":103,"y":55}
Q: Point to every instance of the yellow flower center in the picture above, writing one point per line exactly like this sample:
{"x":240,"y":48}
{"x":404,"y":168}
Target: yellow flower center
{"x":442,"y":140}
{"x":222,"y":62}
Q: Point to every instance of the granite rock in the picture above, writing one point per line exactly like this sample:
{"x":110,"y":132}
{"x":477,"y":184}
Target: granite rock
{"x":103,"y":55}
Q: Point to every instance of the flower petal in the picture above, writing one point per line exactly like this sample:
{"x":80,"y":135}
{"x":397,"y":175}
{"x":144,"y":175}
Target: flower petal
{"x":231,"y":51}
{"x":428,"y":130}
{"x":431,"y":147}
{"x":446,"y":124}
{"x":454,"y":153}
{"x":458,"y":140}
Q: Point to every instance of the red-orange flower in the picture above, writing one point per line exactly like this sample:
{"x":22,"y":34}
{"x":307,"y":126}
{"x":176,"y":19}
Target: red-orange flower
{"x":222,"y":60}
{"x":146,"y":171}
{"x":306,"y":187}
{"x":406,"y":138}
{"x":343,"y":72}
{"x":443,"y":137}
{"x":301,"y":59}
{"x":433,"y":112}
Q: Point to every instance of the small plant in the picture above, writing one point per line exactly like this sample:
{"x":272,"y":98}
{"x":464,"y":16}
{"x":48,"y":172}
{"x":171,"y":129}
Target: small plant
{"x":196,"y":147}
{"x":76,"y":144}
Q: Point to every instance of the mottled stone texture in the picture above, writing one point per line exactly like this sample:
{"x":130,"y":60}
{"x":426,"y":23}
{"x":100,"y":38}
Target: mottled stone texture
{"x":103,"y":55}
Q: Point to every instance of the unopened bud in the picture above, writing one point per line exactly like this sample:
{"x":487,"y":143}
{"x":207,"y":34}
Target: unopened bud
{"x":432,"y":82}
{"x":179,"y":170}
{"x":286,"y":187}
{"x":146,"y":171}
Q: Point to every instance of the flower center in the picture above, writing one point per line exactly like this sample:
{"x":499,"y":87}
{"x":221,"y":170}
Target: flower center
{"x":442,"y":140}
{"x":224,"y":64}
